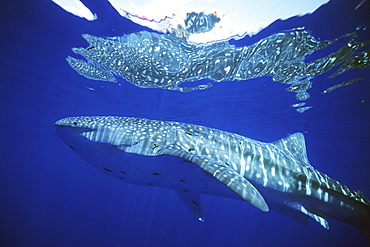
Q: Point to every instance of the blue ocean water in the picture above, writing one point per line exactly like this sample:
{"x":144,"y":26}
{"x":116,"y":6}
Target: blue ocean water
{"x":51,"y":197}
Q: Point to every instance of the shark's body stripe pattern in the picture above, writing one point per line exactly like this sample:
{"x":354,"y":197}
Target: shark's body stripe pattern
{"x":256,"y":171}
{"x":141,"y":139}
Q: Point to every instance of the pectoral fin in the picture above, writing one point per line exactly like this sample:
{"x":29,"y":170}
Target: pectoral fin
{"x":191,"y":201}
{"x":225,"y":175}
{"x":319,"y":219}
{"x":315,"y":214}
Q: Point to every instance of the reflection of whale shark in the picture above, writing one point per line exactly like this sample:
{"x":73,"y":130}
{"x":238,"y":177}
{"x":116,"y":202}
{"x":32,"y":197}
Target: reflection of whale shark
{"x":151,"y":60}
{"x":268,"y":175}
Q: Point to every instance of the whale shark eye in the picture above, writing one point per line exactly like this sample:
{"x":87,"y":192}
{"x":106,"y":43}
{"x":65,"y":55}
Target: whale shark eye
{"x":74,"y":123}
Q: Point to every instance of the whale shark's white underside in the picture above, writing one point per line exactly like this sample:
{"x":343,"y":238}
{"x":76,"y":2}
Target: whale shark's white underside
{"x":268,"y":175}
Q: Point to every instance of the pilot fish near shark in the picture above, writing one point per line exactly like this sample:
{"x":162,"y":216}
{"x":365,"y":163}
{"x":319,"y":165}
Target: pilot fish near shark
{"x":273,"y":175}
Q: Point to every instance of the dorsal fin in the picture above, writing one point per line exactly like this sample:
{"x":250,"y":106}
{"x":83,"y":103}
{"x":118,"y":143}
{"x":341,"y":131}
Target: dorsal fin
{"x":295,"y":145}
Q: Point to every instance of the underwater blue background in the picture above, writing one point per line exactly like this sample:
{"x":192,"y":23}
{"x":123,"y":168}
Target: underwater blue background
{"x":49,"y":196}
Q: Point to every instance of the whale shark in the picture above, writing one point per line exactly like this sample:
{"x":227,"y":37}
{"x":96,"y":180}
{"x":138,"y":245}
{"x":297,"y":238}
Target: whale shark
{"x":275,"y":175}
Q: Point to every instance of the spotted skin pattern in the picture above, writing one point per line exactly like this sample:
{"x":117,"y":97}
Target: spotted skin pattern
{"x":151,"y":60}
{"x":261,"y":173}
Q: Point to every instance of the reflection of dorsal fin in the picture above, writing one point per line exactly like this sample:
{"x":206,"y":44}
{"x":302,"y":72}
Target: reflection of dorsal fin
{"x":295,"y":145}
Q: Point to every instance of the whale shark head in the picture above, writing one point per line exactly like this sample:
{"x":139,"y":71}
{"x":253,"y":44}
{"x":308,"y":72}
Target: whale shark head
{"x":132,"y":135}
